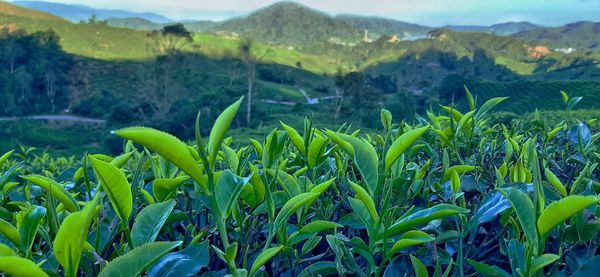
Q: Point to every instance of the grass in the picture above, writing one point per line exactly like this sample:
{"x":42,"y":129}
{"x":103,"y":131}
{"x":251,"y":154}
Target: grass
{"x":521,"y":68}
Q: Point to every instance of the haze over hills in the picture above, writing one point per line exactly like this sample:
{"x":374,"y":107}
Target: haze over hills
{"x":290,"y":23}
{"x":77,"y":13}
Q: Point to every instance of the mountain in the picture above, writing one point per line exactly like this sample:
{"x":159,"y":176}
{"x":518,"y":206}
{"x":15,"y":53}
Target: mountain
{"x":582,"y":35}
{"x":501,"y":29}
{"x":78,"y":13}
{"x":10,"y":9}
{"x":378,"y":26}
{"x":290,"y":23}
{"x":509,"y":28}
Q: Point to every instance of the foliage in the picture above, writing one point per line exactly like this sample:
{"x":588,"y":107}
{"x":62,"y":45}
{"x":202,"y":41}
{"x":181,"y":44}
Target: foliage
{"x":451,"y":194}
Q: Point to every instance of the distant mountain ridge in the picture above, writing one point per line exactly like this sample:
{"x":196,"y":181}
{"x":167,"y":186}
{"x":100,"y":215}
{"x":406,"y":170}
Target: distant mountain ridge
{"x":501,"y":29}
{"x":578,"y":35}
{"x":293,"y":24}
{"x":77,"y":13}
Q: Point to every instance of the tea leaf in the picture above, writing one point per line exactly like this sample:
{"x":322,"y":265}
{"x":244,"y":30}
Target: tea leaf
{"x":559,"y":211}
{"x":149,"y":221}
{"x":115,"y":184}
{"x":263,"y":258}
{"x":138,"y":260}
{"x":20,"y":267}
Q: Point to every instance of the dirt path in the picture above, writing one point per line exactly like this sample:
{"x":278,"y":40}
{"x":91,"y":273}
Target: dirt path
{"x":70,"y":118}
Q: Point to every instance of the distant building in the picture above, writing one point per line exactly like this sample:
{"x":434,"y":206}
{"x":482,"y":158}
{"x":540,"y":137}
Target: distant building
{"x":565,"y":50}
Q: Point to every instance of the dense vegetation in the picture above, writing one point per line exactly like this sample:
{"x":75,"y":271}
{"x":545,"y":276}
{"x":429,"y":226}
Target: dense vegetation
{"x":451,"y":195}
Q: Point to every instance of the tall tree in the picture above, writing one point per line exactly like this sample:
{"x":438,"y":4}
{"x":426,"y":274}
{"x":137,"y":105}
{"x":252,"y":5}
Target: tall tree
{"x":251,"y":59}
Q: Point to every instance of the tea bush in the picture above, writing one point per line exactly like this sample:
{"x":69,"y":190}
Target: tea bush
{"x":452,"y":195}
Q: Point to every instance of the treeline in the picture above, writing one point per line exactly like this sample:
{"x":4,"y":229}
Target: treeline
{"x":33,"y":73}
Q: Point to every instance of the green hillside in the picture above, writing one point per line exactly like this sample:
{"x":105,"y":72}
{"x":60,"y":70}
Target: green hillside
{"x":582,"y":36}
{"x":292,"y":24}
{"x":377,"y":26}
{"x":528,"y":96}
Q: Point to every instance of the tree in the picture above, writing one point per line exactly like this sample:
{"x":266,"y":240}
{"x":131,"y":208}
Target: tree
{"x":162,"y":79}
{"x":251,"y":59}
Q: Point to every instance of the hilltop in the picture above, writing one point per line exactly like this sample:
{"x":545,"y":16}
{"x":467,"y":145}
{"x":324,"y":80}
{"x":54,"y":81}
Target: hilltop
{"x":581,"y":35}
{"x":290,"y":23}
{"x":76,"y":13}
{"x":379,"y":26}
{"x":10,"y":9}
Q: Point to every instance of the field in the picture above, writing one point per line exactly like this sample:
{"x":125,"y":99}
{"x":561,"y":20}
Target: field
{"x":451,"y":195}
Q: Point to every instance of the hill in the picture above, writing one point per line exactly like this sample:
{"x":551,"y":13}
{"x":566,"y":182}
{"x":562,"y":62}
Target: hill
{"x":583,"y":35}
{"x":378,"y":26}
{"x":292,"y":24}
{"x":134,"y":23}
{"x":78,"y":13}
{"x":501,"y":29}
{"x":10,"y":9}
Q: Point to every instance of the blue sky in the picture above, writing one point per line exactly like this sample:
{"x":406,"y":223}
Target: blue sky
{"x":427,"y":12}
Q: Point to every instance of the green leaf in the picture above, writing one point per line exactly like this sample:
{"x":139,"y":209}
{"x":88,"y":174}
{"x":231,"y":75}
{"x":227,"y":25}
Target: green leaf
{"x":6,"y":251}
{"x":418,"y":267}
{"x":295,"y":138}
{"x":54,"y":188}
{"x":291,"y":206}
{"x":149,"y":221}
{"x":164,"y":189}
{"x":366,"y":160}
{"x":121,"y":160}
{"x":424,"y":216}
{"x":20,"y":267}
{"x":559,"y":211}
{"x":71,"y":236}
{"x":410,"y":238}
{"x":346,"y":146}
{"x":555,"y":182}
{"x":542,"y":261}
{"x":217,"y":133}
{"x":363,"y":196}
{"x":525,"y":211}
{"x":168,"y":146}
{"x":135,"y":262}
{"x":10,"y":232}
{"x":470,"y":99}
{"x":5,"y":157}
{"x":187,"y":262}
{"x":460,"y":169}
{"x":386,"y":119}
{"x":401,"y":144}
{"x":323,"y":268}
{"x":316,"y":150}
{"x":115,"y":184}
{"x":228,"y":189}
{"x":263,"y":258}
{"x":565,"y":96}
{"x":487,"y":270}
{"x":29,"y":226}
{"x":318,"y":226}
{"x":455,"y":182}
{"x":488,"y":105}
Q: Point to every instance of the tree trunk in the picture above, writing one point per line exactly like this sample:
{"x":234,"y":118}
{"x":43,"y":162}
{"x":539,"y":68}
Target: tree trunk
{"x":249,"y":100}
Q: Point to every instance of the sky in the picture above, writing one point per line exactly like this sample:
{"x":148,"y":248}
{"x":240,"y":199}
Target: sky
{"x":426,"y":12}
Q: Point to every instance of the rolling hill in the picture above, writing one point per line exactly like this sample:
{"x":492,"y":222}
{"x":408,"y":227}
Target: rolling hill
{"x":501,"y":29}
{"x":9,"y":9}
{"x":292,"y":24}
{"x":78,"y":13}
{"x":583,"y":35}
{"x":378,"y":26}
